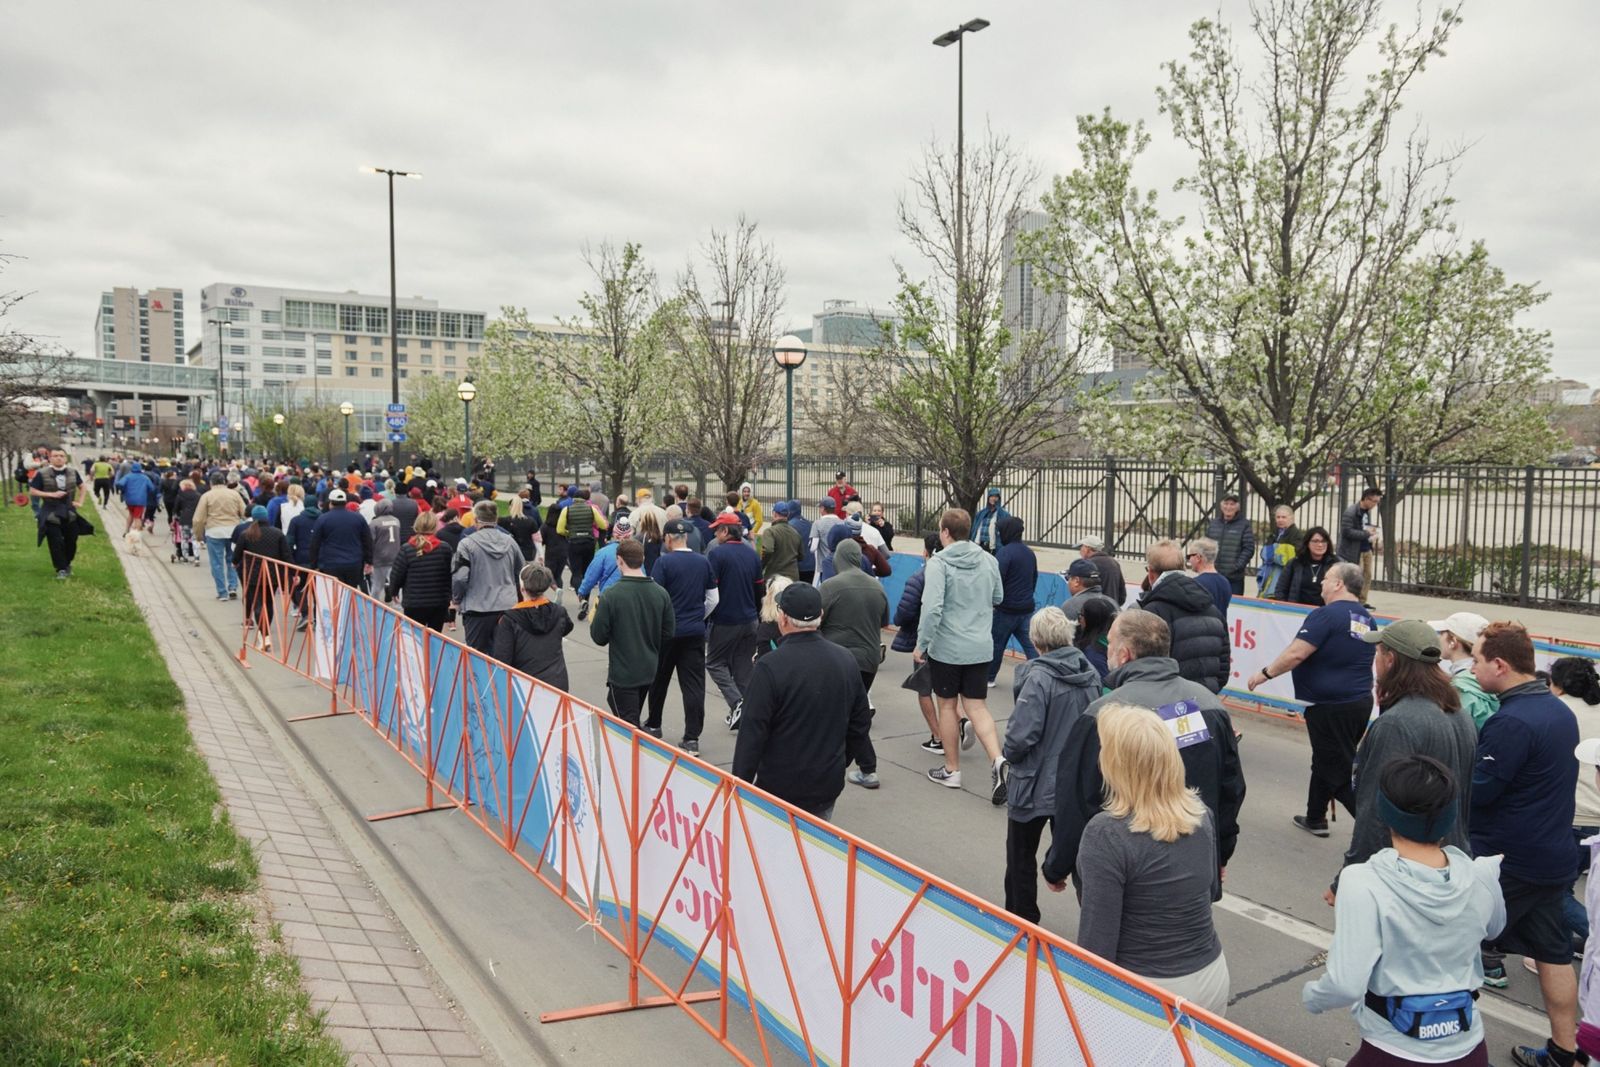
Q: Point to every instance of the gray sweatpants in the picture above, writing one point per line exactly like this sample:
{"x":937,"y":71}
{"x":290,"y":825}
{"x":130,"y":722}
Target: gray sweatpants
{"x":730,"y":656}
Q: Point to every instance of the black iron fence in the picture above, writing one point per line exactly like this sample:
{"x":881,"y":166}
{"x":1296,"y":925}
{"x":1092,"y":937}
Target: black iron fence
{"x":1522,"y":535}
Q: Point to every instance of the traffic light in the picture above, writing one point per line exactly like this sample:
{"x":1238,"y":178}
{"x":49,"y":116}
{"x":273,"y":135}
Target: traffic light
{"x":99,"y":422}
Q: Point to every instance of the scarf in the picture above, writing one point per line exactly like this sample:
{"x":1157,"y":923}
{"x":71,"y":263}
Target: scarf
{"x":425,"y":543}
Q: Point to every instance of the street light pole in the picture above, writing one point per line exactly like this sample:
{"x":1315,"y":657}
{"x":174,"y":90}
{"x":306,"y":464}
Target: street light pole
{"x":957,"y":37}
{"x":219,"y":323}
{"x":468,"y":392}
{"x":347,"y":409}
{"x":790,"y":353}
{"x":394,"y":331}
{"x":278,"y":421}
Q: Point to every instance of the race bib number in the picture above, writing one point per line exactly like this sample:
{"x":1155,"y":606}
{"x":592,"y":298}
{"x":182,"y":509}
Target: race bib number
{"x":1185,"y":722}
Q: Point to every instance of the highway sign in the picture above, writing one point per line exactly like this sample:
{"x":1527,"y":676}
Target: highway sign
{"x":396,"y":422}
{"x":395,"y":437}
{"x":396,"y":409}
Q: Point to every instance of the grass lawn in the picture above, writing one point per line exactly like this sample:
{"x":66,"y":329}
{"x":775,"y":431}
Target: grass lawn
{"x":129,"y":920}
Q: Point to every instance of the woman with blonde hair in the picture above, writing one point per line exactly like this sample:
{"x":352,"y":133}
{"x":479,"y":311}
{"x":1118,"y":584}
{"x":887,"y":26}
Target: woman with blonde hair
{"x":767,"y":635}
{"x":294,"y":503}
{"x":1148,"y":863}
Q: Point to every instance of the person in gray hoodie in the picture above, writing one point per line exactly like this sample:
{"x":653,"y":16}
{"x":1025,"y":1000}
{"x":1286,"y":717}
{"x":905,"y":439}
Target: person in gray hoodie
{"x":1051,"y":692}
{"x":855,"y":610}
{"x":1408,"y":924}
{"x":958,"y":598}
{"x":484,"y":580}
{"x":387,"y":537}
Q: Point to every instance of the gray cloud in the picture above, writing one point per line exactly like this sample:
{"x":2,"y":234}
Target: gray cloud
{"x":191,"y":143}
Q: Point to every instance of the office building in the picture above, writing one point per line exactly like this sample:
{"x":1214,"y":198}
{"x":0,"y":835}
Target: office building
{"x":144,"y":326}
{"x":288,"y":347}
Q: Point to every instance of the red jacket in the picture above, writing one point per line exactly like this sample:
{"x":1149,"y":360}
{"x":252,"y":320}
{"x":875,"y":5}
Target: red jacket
{"x":842,"y":493}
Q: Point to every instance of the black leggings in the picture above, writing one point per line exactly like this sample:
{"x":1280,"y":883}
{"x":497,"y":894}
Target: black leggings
{"x":1334,"y":731}
{"x":432,"y":618}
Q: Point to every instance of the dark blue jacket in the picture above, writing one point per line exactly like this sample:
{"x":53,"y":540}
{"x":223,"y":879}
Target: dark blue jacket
{"x":340,"y":540}
{"x":1019,"y":569}
{"x":299,"y":534}
{"x":737,"y":569}
{"x":908,"y":613}
{"x":1524,"y":786}
{"x":686,"y":576}
{"x":802,"y":526}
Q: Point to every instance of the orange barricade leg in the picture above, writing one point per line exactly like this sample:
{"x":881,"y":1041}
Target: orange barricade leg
{"x":431,"y":768}
{"x":308,"y":605}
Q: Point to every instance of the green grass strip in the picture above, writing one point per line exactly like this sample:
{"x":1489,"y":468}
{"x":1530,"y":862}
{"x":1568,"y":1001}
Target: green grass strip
{"x":128,"y":904}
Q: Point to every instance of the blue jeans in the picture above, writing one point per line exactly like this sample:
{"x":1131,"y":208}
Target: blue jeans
{"x":1005,"y":626}
{"x":222,"y":572}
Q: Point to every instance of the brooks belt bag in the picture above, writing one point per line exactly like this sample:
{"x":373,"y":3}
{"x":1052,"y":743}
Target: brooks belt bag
{"x":1427,"y":1017}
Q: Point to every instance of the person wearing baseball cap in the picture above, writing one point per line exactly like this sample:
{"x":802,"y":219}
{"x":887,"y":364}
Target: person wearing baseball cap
{"x":1112,"y":583}
{"x":822,"y":555}
{"x":341,"y":542}
{"x":842,"y":491}
{"x":805,"y":711}
{"x":1457,"y":635}
{"x":686,"y":576}
{"x":731,"y":637}
{"x":1420,"y":714}
{"x":779,"y":545}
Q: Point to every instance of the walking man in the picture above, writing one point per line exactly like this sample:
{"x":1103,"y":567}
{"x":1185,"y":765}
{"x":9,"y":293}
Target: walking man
{"x":1019,"y":573}
{"x":686,"y":576}
{"x":731,"y":639}
{"x":855,"y":610}
{"x":636,"y":621}
{"x":780,"y":544}
{"x":484,"y":577}
{"x":341,"y":542}
{"x":58,"y":491}
{"x":1112,"y":582}
{"x":806,"y":716}
{"x":958,"y":599}
{"x":1332,"y":666}
{"x":219,"y":512}
{"x":1200,"y":641}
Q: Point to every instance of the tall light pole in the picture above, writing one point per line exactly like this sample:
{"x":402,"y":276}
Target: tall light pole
{"x":790,"y":353}
{"x":278,"y":421}
{"x":394,"y":331}
{"x":347,"y":409}
{"x":956,"y":37}
{"x":219,"y":324}
{"x":468,"y":393}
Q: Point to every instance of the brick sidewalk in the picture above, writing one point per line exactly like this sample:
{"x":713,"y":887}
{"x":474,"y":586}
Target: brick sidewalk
{"x":358,"y":967}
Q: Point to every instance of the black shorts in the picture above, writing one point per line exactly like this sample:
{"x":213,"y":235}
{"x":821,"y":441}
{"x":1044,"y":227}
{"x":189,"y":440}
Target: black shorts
{"x":970,"y":680}
{"x":1535,"y":923}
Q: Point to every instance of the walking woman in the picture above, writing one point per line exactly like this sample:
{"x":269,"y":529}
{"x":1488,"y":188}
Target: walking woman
{"x":1407,"y":926}
{"x":1148,"y":865}
{"x":260,"y":542}
{"x":421,"y":575}
{"x":1301,"y":582}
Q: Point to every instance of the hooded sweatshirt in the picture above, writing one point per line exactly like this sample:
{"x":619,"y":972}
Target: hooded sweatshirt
{"x":1051,"y":694}
{"x":528,"y":638}
{"x":958,"y":599}
{"x":986,"y":523}
{"x":484,"y":577}
{"x":1404,"y":929}
{"x":854,"y":608}
{"x":1019,"y":568}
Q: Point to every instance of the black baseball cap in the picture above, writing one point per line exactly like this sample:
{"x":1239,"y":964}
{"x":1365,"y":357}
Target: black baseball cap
{"x":676,"y":528}
{"x":800,"y":602}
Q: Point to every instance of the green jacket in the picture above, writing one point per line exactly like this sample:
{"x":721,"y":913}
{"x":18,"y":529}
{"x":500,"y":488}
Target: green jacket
{"x":958,"y":599}
{"x":780,"y":550}
{"x":1474,"y":701}
{"x":635,"y":618}
{"x":855,"y":608}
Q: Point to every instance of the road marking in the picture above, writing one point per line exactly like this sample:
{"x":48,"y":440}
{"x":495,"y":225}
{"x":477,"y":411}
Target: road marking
{"x":1492,"y":1003}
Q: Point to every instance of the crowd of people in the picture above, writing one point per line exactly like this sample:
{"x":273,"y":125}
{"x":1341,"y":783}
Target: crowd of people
{"x":1457,"y":760}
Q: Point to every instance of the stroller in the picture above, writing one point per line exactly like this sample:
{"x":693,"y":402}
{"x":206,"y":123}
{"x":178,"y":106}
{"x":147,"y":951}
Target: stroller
{"x":183,"y":544}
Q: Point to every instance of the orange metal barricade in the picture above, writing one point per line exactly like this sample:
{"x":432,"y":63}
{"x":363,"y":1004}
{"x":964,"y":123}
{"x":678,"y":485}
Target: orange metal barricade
{"x":809,"y":931}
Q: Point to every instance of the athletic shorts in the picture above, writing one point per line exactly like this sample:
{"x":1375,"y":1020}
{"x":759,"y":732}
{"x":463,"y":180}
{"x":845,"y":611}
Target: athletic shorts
{"x":970,"y":680}
{"x":136,"y":512}
{"x":1535,"y":922}
{"x":919,"y":681}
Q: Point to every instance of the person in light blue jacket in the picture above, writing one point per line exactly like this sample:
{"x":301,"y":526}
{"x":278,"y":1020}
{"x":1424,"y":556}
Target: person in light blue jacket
{"x":603,"y":572}
{"x":955,"y":636}
{"x":1407,"y":927}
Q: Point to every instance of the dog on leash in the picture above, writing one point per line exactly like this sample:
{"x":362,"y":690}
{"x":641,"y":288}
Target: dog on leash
{"x":134,"y":539}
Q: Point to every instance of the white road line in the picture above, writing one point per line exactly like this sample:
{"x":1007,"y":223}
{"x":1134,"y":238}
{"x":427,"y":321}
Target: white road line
{"x":1491,"y":1003}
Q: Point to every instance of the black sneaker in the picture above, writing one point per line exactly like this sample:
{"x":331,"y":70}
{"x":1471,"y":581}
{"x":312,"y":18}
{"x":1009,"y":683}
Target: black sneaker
{"x":997,"y":784}
{"x":233,"y":594}
{"x":968,"y":735}
{"x":1315,"y":829}
{"x":583,"y":610}
{"x":653,"y":731}
{"x":691,"y":746}
{"x":934,"y":745}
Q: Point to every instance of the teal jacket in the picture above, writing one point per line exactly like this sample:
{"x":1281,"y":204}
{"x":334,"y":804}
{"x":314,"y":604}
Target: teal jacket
{"x":958,"y":598}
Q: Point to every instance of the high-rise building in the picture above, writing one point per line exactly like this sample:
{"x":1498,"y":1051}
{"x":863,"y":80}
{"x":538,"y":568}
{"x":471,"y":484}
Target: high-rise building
{"x":844,"y":322}
{"x":144,"y":327}
{"x":296,"y":346}
{"x":1025,"y":303}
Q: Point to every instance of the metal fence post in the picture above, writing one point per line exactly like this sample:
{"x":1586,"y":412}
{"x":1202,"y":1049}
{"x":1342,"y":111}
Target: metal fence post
{"x":1111,"y":505}
{"x":916,"y":501}
{"x":1527,"y":534}
{"x":1172,"y":505}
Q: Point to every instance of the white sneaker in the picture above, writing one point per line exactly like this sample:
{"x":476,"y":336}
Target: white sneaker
{"x":948,"y":778}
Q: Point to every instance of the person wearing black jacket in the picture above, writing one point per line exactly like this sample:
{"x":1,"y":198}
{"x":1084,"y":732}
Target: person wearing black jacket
{"x":1200,"y":641}
{"x":260,"y":541}
{"x":183,"y":506}
{"x":405,"y":509}
{"x":421,"y":574}
{"x":1145,"y":675}
{"x":528,"y":637}
{"x":341,"y":542}
{"x":1302,"y":579}
{"x":805,"y":711}
{"x":522,"y":527}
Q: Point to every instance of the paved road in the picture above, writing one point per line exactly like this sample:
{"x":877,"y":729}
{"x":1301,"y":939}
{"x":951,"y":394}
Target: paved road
{"x":508,"y":948}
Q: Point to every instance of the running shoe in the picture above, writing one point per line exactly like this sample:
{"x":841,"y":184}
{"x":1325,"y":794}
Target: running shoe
{"x":947,"y":778}
{"x":1529,"y":1056}
{"x":997,"y":783}
{"x":1315,"y":829}
{"x":934,"y":745}
{"x":691,"y":746}
{"x":735,"y":713}
{"x":865,"y":779}
{"x":967,"y":734}
{"x":1495,"y":977}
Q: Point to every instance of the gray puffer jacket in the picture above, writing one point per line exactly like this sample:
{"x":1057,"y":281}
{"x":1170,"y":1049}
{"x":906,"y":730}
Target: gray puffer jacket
{"x":1051,"y":693}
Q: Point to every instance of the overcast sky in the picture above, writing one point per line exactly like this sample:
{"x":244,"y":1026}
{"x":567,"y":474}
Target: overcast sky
{"x":185,"y":143}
